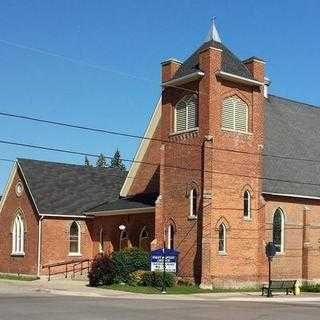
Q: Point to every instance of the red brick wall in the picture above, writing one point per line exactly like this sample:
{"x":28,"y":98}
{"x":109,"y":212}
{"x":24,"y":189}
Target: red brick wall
{"x":55,"y":241}
{"x":301,"y":256}
{"x":26,"y":264}
{"x":221,"y":176}
{"x":111,"y":233}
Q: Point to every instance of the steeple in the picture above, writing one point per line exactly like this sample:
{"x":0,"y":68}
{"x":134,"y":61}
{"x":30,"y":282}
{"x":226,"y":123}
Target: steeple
{"x":213,"y":32}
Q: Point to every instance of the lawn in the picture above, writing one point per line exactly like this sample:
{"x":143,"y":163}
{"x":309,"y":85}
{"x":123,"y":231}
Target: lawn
{"x":17,"y":277}
{"x":174,"y":290}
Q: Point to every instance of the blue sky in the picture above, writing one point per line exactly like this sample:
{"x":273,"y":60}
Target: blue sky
{"x":132,"y":38}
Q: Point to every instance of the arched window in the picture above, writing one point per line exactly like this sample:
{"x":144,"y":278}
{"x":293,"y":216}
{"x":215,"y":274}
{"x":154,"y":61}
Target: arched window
{"x":124,"y":240}
{"x":247,"y":204}
{"x":278,"y":230}
{"x":222,"y":238}
{"x":101,"y":241}
{"x":234,"y":115}
{"x":193,"y":203}
{"x":186,"y":113}
{"x":170,"y":237}
{"x":144,"y":240}
{"x":18,"y":235}
{"x":74,"y":239}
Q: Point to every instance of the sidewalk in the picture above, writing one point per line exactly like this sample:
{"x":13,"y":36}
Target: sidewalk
{"x":80,"y":288}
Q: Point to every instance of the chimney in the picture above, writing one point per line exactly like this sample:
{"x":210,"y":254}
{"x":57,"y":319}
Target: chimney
{"x":256,"y":67}
{"x":169,"y":68}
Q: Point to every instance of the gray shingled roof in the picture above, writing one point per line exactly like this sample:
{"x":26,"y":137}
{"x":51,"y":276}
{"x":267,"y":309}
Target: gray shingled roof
{"x":292,"y":129}
{"x":68,"y":189}
{"x":230,"y":63}
{"x":139,"y":201}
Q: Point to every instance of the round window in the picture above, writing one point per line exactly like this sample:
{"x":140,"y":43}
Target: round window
{"x":19,"y":189}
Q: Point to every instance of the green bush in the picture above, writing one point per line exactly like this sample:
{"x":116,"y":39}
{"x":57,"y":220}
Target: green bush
{"x":310,"y":287}
{"x":136,"y":278}
{"x":102,"y":271}
{"x":127,"y":261}
{"x":155,"y":279}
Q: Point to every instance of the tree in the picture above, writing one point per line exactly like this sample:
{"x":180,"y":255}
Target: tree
{"x":87,"y":162}
{"x":102,"y":161}
{"x":116,"y":161}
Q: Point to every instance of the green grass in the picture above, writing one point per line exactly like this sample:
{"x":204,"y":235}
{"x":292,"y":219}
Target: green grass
{"x":182,"y":289}
{"x":8,"y":276}
{"x":310,"y":287}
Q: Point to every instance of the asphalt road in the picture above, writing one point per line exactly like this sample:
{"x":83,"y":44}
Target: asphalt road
{"x":34,"y":306}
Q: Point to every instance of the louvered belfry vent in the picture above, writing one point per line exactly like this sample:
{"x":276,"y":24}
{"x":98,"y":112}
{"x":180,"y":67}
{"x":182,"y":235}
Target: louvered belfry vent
{"x":186,"y":114}
{"x":235,"y":115}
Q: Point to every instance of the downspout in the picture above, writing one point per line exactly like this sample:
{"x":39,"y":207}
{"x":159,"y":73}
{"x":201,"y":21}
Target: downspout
{"x":39,"y":245}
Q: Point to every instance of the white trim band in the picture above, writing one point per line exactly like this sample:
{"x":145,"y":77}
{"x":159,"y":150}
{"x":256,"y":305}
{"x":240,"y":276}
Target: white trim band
{"x":235,"y":78}
{"x":290,"y":195}
{"x":121,"y":211}
{"x":190,"y":77}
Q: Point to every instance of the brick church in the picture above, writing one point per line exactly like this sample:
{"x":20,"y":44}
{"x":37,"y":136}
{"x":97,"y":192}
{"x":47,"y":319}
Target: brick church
{"x":224,"y":169}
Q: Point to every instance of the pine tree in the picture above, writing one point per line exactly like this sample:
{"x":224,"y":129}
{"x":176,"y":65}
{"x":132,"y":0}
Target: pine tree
{"x":87,"y":162}
{"x":102,"y":161}
{"x":116,"y":161}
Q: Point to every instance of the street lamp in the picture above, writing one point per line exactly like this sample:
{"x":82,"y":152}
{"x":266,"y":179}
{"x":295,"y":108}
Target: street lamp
{"x":122,"y":227}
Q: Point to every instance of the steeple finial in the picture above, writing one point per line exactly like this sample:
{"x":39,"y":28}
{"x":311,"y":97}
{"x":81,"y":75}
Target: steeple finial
{"x":213,"y":32}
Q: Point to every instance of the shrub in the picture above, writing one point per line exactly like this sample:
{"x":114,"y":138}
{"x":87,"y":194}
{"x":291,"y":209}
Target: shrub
{"x":102,"y":271}
{"x":136,"y":278}
{"x":127,"y":261}
{"x":309,"y":287}
{"x":155,"y":279}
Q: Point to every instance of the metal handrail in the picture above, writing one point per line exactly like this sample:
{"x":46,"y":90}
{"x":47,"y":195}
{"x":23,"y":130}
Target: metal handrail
{"x":81,"y":267}
{"x":66,"y":264}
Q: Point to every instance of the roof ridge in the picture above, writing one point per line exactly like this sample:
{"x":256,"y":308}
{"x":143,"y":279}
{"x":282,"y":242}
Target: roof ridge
{"x":68,"y":164}
{"x":306,"y":104}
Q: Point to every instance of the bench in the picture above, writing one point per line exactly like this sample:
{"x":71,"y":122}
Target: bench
{"x":287,"y":285}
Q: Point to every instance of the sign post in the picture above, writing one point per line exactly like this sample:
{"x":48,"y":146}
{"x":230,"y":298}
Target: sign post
{"x":164,"y":269}
{"x":270,"y":253}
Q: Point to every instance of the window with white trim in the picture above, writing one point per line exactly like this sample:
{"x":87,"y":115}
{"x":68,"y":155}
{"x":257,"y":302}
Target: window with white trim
{"x":278,"y":230}
{"x":222,"y":238}
{"x":193,"y":203}
{"x":74,"y":240}
{"x":235,"y":115}
{"x":144,"y":240}
{"x":186,"y":114}
{"x":18,"y":235}
{"x":170,"y":237}
{"x":247,"y":204}
{"x":101,"y":241}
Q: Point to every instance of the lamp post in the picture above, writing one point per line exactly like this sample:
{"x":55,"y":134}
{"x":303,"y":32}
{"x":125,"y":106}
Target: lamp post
{"x":164,"y":268}
{"x":270,"y":253}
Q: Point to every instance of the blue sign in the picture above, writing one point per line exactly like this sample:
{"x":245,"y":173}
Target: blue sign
{"x":157,"y":260}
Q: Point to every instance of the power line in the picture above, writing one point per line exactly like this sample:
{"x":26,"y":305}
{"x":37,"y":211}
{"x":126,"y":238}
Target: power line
{"x":7,"y":160}
{"x":150,"y":163}
{"x":135,"y":136}
{"x":90,"y":65}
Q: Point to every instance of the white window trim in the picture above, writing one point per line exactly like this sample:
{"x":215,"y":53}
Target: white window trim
{"x":18,"y":236}
{"x":185,"y":99}
{"x":191,"y":215}
{"x":78,"y":253}
{"x":224,"y":251}
{"x":234,"y":99}
{"x":140,"y":236}
{"x":170,"y":227}
{"x":249,"y":216}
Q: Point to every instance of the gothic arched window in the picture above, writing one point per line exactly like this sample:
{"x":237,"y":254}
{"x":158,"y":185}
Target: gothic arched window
{"x":278,"y":230}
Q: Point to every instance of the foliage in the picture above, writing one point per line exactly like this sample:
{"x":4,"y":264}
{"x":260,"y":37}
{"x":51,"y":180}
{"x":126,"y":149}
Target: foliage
{"x":155,"y":279}
{"x":127,"y":261}
{"x":87,"y":162}
{"x":136,"y":278}
{"x":102,"y":161}
{"x":102,"y":271}
{"x":116,"y":161}
{"x":310,"y":287}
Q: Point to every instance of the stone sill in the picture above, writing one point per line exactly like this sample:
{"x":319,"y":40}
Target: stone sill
{"x":173,"y":134}
{"x":21,"y":254}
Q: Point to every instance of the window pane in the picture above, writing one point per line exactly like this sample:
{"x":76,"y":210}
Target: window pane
{"x":277,"y":230}
{"x":74,"y":238}
{"x":246,"y":204}
{"x":221,"y":238}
